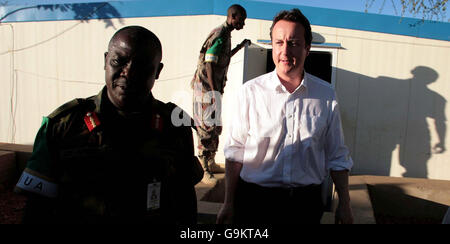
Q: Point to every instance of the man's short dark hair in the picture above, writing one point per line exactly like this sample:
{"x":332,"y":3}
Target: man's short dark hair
{"x":141,"y":35}
{"x":294,"y":15}
{"x":236,"y":8}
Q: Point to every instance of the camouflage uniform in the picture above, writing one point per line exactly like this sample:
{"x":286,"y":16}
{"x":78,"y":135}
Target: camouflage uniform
{"x":99,"y":166}
{"x":217,"y":50}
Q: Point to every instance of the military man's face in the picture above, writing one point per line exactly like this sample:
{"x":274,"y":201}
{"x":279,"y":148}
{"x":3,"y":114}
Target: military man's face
{"x":131,"y":69}
{"x":238,"y":21}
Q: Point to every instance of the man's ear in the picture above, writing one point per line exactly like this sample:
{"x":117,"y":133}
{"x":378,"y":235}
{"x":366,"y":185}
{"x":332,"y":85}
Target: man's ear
{"x":160,"y":67}
{"x":104,"y":66}
{"x":308,"y":48}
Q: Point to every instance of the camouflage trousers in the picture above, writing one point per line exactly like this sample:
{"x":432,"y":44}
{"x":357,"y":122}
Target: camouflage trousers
{"x":207,"y":118}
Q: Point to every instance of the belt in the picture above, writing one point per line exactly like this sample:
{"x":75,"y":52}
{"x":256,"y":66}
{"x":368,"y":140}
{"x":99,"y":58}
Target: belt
{"x":280,"y":191}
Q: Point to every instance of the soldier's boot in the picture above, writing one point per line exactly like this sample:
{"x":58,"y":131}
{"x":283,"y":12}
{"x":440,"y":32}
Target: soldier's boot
{"x":208,"y":177}
{"x":214,"y":167}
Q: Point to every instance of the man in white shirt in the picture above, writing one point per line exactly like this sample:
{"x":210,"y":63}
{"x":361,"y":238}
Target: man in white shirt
{"x":285,"y":137}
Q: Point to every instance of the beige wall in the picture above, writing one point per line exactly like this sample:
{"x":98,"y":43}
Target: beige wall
{"x":392,"y":117}
{"x":388,"y":114}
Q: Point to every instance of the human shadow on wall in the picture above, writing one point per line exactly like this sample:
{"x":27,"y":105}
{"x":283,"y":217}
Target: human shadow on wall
{"x":389,"y":113}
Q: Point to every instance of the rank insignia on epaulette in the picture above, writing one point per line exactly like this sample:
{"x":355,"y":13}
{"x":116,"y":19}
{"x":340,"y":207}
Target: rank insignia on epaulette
{"x":157,"y":122}
{"x":91,"y":120}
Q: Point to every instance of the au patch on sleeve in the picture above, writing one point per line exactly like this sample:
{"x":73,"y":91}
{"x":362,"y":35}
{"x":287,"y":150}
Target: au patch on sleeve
{"x":211,"y":58}
{"x":31,"y":183}
{"x":212,"y":54}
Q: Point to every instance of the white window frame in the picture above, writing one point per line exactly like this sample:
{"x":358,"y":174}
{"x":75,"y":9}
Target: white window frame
{"x":334,"y":55}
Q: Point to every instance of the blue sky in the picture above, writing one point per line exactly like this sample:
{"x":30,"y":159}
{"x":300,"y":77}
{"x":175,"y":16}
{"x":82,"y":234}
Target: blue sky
{"x":378,"y":6}
{"x":351,"y":5}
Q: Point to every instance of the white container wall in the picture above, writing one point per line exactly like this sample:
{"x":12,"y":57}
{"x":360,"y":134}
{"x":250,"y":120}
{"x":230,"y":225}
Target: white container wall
{"x":393,"y":90}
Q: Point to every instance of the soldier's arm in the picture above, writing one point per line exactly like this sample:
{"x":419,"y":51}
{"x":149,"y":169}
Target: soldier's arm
{"x":210,"y":74}
{"x":212,"y":56}
{"x":194,"y":165}
{"x":239,"y":46}
{"x":36,"y":181}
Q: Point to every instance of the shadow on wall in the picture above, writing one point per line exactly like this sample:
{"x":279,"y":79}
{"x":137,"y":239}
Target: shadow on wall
{"x":382,"y":114}
{"x":86,"y":11}
{"x":81,"y":11}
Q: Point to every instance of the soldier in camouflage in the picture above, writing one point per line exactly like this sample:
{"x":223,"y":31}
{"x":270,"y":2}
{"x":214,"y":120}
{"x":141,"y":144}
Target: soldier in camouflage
{"x":208,"y":85}
{"x":115,"y":157}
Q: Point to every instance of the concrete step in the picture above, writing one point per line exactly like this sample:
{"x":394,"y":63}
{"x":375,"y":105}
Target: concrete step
{"x":7,"y":166}
{"x":22,"y":152}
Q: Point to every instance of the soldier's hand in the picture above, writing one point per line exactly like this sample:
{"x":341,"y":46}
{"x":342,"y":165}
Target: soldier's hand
{"x":438,"y":148}
{"x":246,"y":41}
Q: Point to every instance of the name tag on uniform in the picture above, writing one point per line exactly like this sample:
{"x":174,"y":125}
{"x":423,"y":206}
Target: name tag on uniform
{"x":153,"y":195}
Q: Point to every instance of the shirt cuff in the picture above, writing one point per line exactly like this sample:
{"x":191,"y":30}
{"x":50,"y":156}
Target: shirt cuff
{"x":234,"y":154}
{"x":340,"y":165}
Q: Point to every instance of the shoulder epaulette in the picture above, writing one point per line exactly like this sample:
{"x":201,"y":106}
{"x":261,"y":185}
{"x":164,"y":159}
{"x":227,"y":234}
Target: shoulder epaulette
{"x":66,"y":108}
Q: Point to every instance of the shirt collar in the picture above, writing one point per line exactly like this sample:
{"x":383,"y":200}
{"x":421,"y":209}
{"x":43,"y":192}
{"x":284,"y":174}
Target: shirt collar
{"x":102,"y":102}
{"x":275,"y":83}
{"x":305,"y":80}
{"x":98,"y":100}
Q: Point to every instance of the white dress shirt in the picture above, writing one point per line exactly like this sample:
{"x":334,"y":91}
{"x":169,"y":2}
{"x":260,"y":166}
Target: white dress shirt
{"x":286,"y":139}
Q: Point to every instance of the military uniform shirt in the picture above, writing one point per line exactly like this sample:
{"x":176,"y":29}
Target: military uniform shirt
{"x":98,"y":165}
{"x":217,"y":50}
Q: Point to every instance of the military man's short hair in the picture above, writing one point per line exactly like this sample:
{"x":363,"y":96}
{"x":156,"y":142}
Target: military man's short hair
{"x":141,"y":36}
{"x":236,"y":8}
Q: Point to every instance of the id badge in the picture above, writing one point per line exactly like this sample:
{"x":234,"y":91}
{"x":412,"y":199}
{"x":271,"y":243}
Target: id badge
{"x":153,"y":195}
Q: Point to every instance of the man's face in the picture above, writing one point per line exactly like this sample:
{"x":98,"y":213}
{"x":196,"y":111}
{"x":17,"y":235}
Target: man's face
{"x":289,"y":48}
{"x":130,"y":72}
{"x":238,"y":21}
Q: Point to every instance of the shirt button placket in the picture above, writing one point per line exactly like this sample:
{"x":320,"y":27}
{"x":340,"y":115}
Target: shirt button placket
{"x":289,"y":140}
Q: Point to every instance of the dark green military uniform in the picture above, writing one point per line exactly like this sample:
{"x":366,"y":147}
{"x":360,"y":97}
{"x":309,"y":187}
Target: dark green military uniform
{"x":216,"y":50}
{"x":101,"y":166}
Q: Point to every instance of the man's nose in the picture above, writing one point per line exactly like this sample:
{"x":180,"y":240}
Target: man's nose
{"x":285,"y":48}
{"x":126,"y":69}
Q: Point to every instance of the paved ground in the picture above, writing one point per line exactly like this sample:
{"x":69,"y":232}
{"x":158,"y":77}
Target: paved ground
{"x":375,"y":199}
{"x":209,"y":200}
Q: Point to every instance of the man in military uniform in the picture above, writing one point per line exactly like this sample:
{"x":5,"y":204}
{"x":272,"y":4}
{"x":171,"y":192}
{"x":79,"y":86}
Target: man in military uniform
{"x":115,"y":157}
{"x":208,"y":84}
